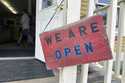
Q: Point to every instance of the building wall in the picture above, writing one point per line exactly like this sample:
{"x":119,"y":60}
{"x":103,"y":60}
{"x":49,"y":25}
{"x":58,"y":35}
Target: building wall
{"x":42,"y":17}
{"x":84,"y":8}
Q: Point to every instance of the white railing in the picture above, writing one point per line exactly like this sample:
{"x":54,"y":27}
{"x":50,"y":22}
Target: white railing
{"x":119,"y":53}
{"x":108,"y":66}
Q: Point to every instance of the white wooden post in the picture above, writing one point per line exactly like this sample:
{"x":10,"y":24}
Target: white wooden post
{"x":122,"y":33}
{"x":111,"y":26}
{"x":85,"y":67}
{"x":69,"y":74}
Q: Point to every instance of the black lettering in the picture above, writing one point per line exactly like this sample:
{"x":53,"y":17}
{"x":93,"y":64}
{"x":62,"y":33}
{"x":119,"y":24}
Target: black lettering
{"x":71,"y":34}
{"x":48,"y":40}
{"x":58,"y":37}
{"x":82,"y":30}
{"x":94,"y":27}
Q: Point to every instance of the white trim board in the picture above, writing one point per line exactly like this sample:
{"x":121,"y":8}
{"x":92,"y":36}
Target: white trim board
{"x":16,"y":58}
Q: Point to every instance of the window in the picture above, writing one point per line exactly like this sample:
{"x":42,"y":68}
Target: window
{"x":47,"y":3}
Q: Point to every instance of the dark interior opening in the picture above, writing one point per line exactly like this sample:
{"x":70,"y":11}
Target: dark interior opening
{"x":11,"y":29}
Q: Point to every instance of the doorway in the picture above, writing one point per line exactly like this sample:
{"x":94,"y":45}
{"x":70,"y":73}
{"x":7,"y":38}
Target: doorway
{"x":11,"y":28}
